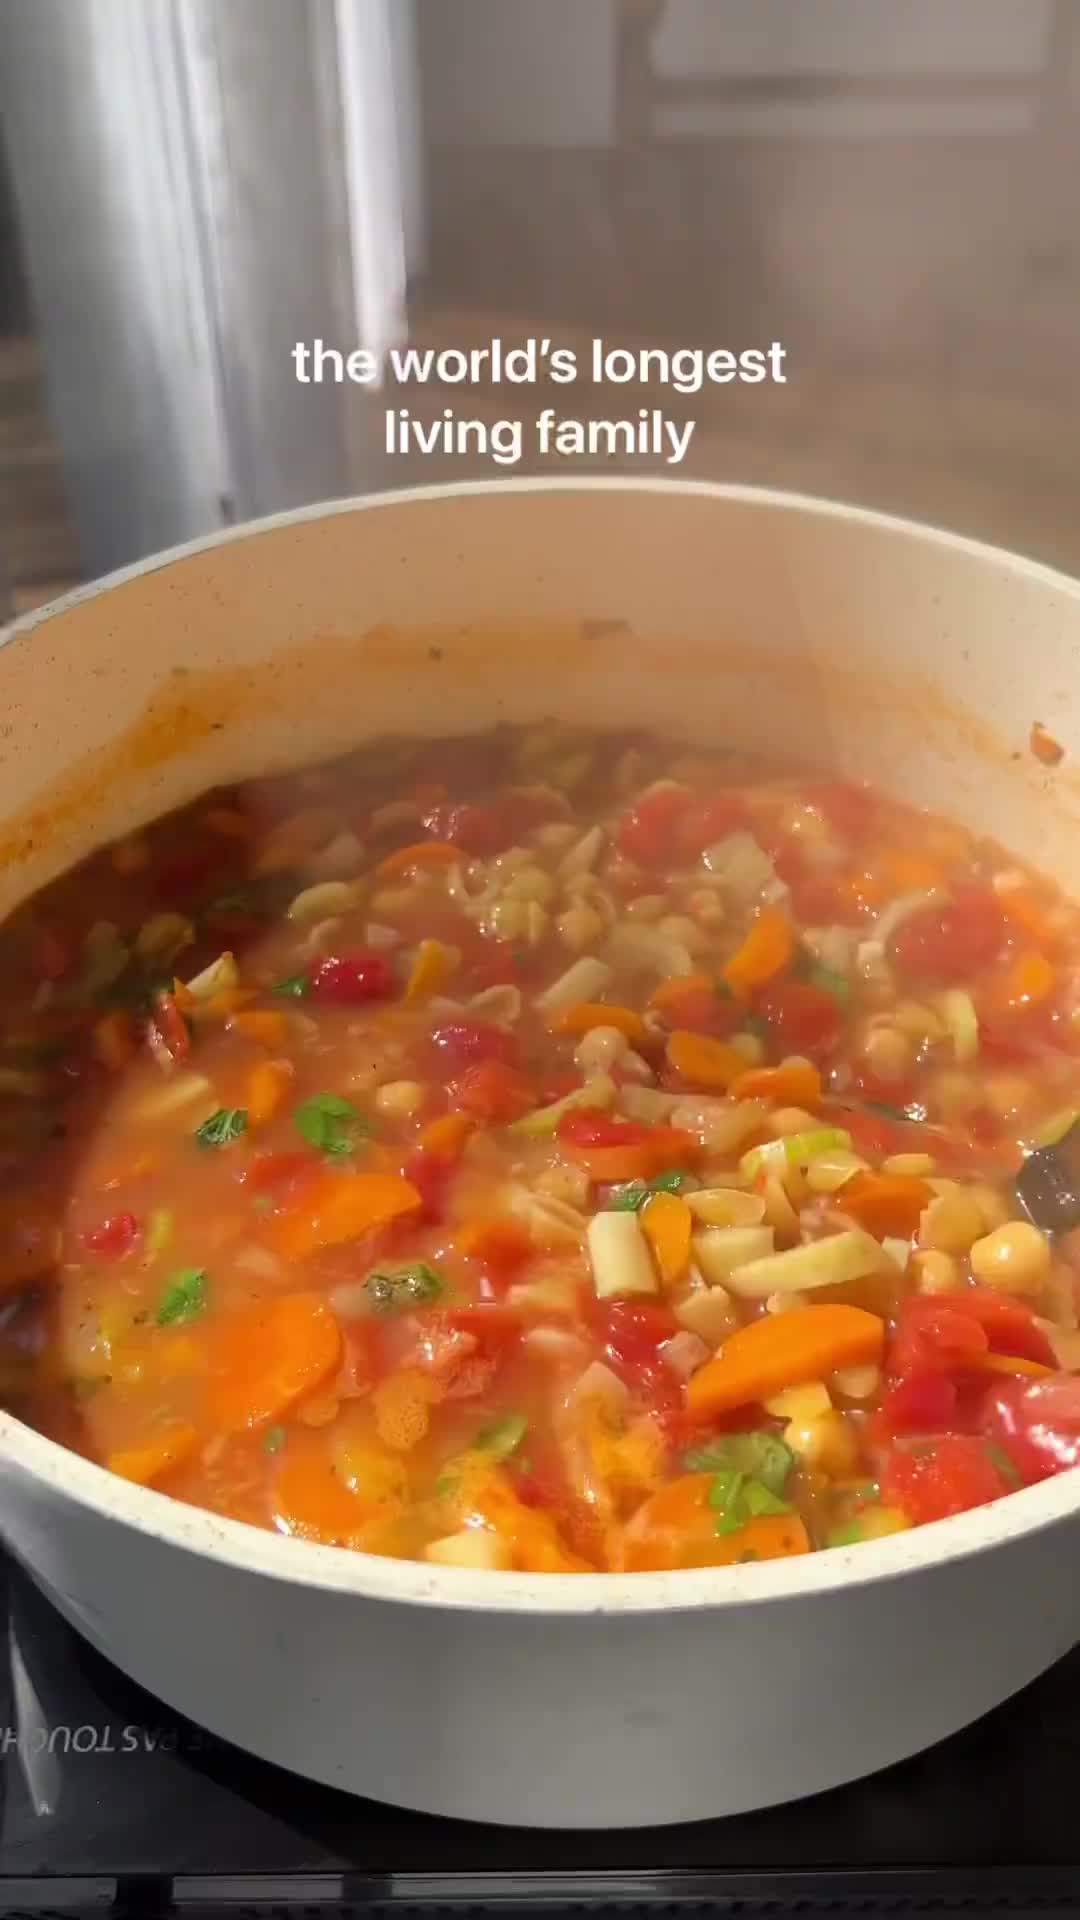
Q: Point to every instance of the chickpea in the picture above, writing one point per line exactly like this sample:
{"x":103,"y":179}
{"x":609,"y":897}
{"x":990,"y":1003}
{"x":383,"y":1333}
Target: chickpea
{"x":888,"y":1053}
{"x":579,"y":927}
{"x":934,"y":1271}
{"x":750,"y":1046}
{"x":829,"y":1444}
{"x":647,"y":906}
{"x":1014,"y":1258}
{"x":400,"y":1097}
{"x":993,"y":1207}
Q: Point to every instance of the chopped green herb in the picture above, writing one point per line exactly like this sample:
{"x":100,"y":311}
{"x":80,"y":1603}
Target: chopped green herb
{"x":630,"y":1198}
{"x":184,"y":1297}
{"x":262,"y":1202}
{"x":159,"y":1232}
{"x":240,"y":900}
{"x":413,"y":1286}
{"x":883,"y":1107}
{"x":755,"y":1027}
{"x":503,"y":1436}
{"x":294,"y":985}
{"x":759,"y":1455}
{"x":227,"y":1124}
{"x":273,"y":1439}
{"x":721,"y":988}
{"x":330,"y":1123}
{"x":833,"y":983}
{"x":744,"y":1558}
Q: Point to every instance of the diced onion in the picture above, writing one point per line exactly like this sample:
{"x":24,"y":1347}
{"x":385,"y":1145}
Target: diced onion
{"x":795,"y":1149}
{"x":620,"y":1257}
{"x":552,"y":1222}
{"x":958,"y":1012}
{"x":719,"y":1250}
{"x":832,"y":947}
{"x":720,"y":1125}
{"x":684,"y":1353}
{"x":163,"y":936}
{"x":634,"y":945}
{"x":819,"y":1263}
{"x":499,"y":1004}
{"x":222,"y":973}
{"x":598,"y":1385}
{"x":743,"y":868}
{"x":902,"y":909}
{"x":583,"y":855}
{"x":583,"y":981}
{"x":709,"y":1313}
{"x":184,"y":1091}
{"x":598,"y":1092}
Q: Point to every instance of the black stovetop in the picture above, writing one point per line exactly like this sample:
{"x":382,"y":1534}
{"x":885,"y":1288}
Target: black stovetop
{"x":110,"y":1804}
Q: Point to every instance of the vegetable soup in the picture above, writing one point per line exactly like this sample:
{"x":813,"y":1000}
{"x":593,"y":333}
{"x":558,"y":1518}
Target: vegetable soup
{"x":550,"y":1151}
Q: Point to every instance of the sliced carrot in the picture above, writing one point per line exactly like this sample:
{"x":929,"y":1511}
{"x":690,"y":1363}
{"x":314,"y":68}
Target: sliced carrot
{"x":668,"y":1224}
{"x":268,"y":1087}
{"x":639,"y":1159}
{"x":796,"y":1083}
{"x":586,"y":1014}
{"x":312,"y":1500}
{"x":532,"y":1533}
{"x":265,"y":1357}
{"x":498,"y":1239}
{"x":1028,"y":980}
{"x":431,"y":967}
{"x":446,"y":1135}
{"x":420,"y":853}
{"x":704,"y":1061}
{"x":402,"y":1406}
{"x":676,"y":1527}
{"x":1011,"y":1363}
{"x":114,"y":1039}
{"x":336,"y":1206}
{"x":266,"y":1029}
{"x":676,"y":987}
{"x":1021,"y":905}
{"x":913,"y":872}
{"x":153,"y":1458}
{"x":766,"y":951}
{"x":885,"y":1202}
{"x":782,"y":1350}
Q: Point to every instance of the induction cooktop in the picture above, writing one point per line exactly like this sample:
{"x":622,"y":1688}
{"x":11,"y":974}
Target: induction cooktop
{"x":111,"y":1804}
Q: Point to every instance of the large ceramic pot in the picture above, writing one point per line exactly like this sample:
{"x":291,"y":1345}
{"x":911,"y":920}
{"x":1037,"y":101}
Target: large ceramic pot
{"x":812,"y":631}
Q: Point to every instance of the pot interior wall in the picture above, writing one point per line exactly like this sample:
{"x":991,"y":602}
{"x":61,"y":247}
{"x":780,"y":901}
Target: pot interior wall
{"x":862,"y":646}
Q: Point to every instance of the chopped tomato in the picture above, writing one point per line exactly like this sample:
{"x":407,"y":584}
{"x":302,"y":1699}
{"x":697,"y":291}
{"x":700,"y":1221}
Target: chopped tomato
{"x":1009,"y":1325}
{"x":493,"y":1093}
{"x":462,"y":1043}
{"x":933,"y":1336}
{"x":848,"y":810}
{"x":430,"y":1172}
{"x":586,"y":1127}
{"x":935,"y":1478}
{"x":709,"y":819}
{"x":1037,"y":1423}
{"x":948,"y":944}
{"x":170,"y":1040}
{"x":647,"y":834}
{"x":918,"y":1403}
{"x":481,"y":831}
{"x":633,"y":1332}
{"x":351,"y":979}
{"x":268,"y":1172}
{"x":801,"y":1018}
{"x":115,"y":1237}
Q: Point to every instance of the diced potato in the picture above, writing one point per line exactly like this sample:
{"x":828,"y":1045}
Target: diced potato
{"x":719,"y":1250}
{"x":620,"y":1257}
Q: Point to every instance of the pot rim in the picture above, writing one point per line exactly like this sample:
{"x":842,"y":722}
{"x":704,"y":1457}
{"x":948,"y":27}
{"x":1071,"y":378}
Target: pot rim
{"x":338,"y":1569}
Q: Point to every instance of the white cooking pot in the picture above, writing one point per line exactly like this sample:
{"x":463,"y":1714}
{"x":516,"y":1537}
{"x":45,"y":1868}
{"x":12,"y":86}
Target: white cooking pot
{"x":810,"y":631}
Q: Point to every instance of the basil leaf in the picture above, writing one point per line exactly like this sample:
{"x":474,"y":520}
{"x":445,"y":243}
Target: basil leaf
{"x":759,"y":1455}
{"x":273,"y":1439}
{"x":184,"y":1297}
{"x":295,"y":985}
{"x":632,"y":1197}
{"x":330,"y":1123}
{"x":848,"y":1535}
{"x":1005,"y":1466}
{"x":503,"y":1436}
{"x":413,"y":1286}
{"x":759,"y":1499}
{"x":227,"y":1124}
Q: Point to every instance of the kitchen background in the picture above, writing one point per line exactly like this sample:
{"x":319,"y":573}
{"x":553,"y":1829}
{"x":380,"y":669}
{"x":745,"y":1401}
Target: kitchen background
{"x":188,"y":187}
